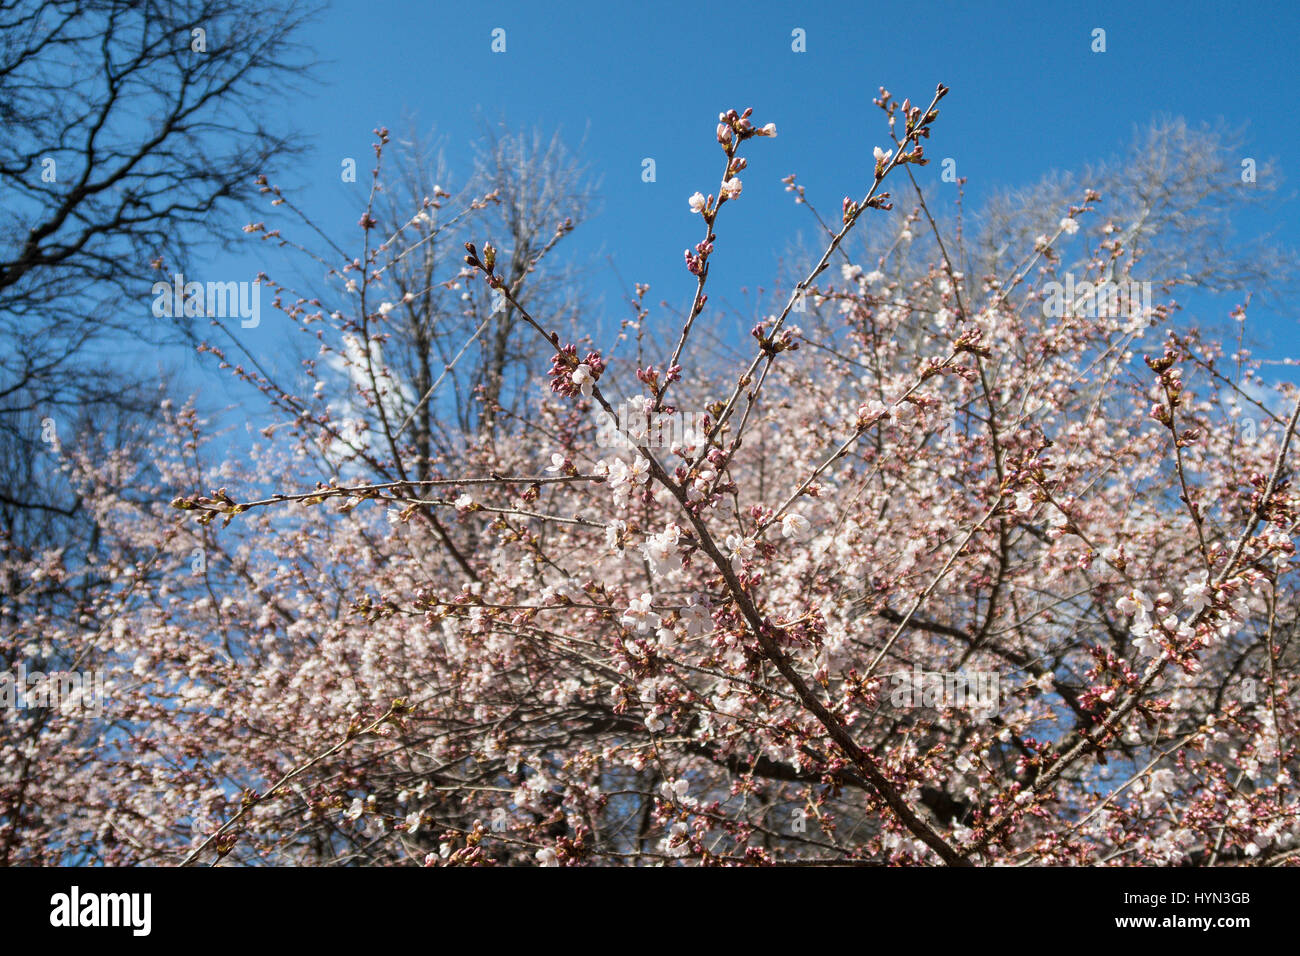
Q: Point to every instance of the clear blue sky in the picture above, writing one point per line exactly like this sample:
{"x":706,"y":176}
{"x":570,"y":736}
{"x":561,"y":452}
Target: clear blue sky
{"x":648,"y":79}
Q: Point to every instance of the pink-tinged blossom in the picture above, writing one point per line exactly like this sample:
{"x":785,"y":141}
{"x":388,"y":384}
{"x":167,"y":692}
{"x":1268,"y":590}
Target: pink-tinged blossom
{"x":1135,"y":602}
{"x":639,"y":471}
{"x":639,"y":615}
{"x":624,"y":476}
{"x":1197,"y":594}
{"x":558,"y":648}
{"x":794,"y":526}
{"x":583,"y":378}
{"x":677,"y":791}
{"x":676,"y":842}
{"x":741,"y":548}
{"x":873,"y":411}
{"x":1146,"y":642}
{"x":661,"y":550}
{"x":696,"y":619}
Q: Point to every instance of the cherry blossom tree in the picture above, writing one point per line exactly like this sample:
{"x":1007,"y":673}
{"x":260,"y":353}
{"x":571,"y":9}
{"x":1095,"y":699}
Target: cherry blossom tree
{"x":968,"y":580}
